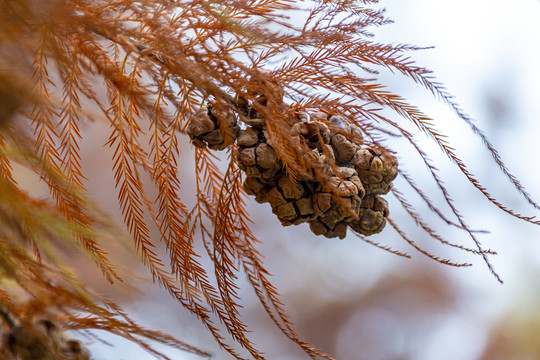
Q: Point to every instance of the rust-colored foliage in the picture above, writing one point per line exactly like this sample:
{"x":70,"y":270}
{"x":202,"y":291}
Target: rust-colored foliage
{"x":147,"y":68}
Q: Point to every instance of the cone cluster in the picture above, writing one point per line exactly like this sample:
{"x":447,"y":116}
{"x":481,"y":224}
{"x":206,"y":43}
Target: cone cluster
{"x":343,"y":191}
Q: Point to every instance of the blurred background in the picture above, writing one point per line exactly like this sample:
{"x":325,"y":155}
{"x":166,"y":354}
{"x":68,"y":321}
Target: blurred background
{"x":356,"y":301}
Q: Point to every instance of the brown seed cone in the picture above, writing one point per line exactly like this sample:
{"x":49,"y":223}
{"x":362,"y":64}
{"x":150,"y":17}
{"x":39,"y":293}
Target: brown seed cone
{"x":248,"y":137}
{"x":345,"y":138}
{"x":345,"y":184}
{"x":339,"y":125}
{"x":214,"y":126}
{"x":377,"y":168}
{"x":256,"y":157}
{"x":339,"y":230}
{"x":319,"y":161}
{"x":312,"y":139}
{"x":372,"y":216}
{"x":319,"y":228}
{"x":344,"y":149}
{"x":291,"y":201}
{"x":254,"y":186}
{"x":331,"y":211}
{"x":312,"y":133}
{"x":336,"y":202}
{"x":72,"y":350}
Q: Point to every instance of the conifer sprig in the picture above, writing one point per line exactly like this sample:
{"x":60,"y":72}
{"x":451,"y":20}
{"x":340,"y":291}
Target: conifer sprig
{"x":296,"y":106}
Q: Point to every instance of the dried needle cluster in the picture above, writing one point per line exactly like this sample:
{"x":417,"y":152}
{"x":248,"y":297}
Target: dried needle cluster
{"x":346,"y":188}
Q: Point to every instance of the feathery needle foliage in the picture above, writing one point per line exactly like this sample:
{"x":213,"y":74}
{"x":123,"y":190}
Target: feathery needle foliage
{"x":232,"y":75}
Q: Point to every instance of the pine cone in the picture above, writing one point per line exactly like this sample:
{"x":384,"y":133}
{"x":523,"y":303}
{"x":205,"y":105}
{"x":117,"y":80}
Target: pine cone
{"x":254,"y":186}
{"x":342,"y":126}
{"x":312,"y":133}
{"x":214,"y":126}
{"x":256,"y":157}
{"x":291,"y":201}
{"x":337,"y":202}
{"x":320,"y":160}
{"x":346,"y":140}
{"x":372,"y":216}
{"x":72,"y":350}
{"x":313,"y":137}
{"x":344,"y":149}
{"x":377,"y":168}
